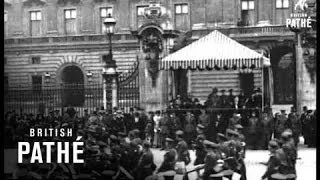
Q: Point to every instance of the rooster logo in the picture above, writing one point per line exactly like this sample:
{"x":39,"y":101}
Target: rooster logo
{"x":301,"y":4}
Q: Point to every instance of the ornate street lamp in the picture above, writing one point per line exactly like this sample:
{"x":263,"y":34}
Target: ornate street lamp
{"x":109,"y":71}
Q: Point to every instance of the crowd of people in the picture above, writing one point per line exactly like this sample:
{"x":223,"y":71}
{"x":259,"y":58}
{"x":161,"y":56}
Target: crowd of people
{"x":118,"y":144}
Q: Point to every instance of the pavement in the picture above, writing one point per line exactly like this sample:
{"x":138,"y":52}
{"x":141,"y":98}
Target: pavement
{"x":306,"y":166}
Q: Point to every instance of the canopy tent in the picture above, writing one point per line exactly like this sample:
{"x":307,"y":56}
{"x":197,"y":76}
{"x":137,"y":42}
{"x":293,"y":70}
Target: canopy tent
{"x":212,"y":51}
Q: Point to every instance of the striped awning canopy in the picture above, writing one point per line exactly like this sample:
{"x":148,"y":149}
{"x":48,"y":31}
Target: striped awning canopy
{"x":214,"y":50}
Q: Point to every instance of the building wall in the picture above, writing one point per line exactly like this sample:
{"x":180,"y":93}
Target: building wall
{"x":202,"y":82}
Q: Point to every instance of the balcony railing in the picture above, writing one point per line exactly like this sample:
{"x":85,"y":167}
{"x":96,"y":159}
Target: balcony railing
{"x":67,"y":39}
{"x":269,"y":30}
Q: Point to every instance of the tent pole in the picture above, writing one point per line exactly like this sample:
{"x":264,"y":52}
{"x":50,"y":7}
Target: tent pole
{"x":262,"y":80}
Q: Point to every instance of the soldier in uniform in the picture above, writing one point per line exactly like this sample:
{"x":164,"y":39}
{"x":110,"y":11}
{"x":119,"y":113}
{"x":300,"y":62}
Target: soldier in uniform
{"x":170,"y":157}
{"x":212,"y":100}
{"x":253,"y":124}
{"x":280,"y":123}
{"x":223,"y":100}
{"x":231,"y":97}
{"x":272,"y":164}
{"x":294,"y":124}
{"x":165,"y":126}
{"x":146,"y":165}
{"x":211,"y":165}
{"x":200,"y":151}
{"x":182,"y":148}
{"x":304,"y":126}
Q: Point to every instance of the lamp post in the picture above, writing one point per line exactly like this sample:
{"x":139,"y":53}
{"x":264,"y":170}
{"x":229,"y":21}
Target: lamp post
{"x":110,"y":68}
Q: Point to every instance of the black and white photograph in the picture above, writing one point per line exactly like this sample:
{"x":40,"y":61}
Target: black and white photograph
{"x":160,"y":89}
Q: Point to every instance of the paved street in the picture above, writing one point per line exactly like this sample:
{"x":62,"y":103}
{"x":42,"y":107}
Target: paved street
{"x":306,"y":166}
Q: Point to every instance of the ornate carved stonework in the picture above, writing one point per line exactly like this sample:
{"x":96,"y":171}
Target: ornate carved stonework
{"x":152,"y":46}
{"x":65,"y":2}
{"x":34,"y":3}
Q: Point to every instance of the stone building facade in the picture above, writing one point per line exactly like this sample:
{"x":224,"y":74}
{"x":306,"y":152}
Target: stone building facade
{"x":58,"y":38}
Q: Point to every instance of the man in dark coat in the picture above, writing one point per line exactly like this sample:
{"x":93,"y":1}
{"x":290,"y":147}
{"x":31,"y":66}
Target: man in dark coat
{"x":223,"y":100}
{"x":170,"y":157}
{"x":212,"y":101}
{"x":211,"y":159}
{"x":198,"y":145}
{"x":231,"y":97}
{"x":304,"y":126}
{"x":281,"y":120}
{"x":146,"y":165}
{"x":182,"y":148}
{"x":294,"y":124}
{"x":165,"y":124}
{"x":272,"y":164}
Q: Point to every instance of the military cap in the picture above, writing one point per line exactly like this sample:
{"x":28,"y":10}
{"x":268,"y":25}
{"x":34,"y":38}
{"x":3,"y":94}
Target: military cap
{"x":101,"y":143}
{"x":64,"y":125}
{"x":113,"y":137}
{"x":309,"y":111}
{"x":232,"y":132}
{"x":210,"y":144}
{"x":169,"y":140}
{"x":200,"y":126}
{"x":282,"y":111}
{"x":286,"y":134}
{"x":135,"y":142}
{"x":304,"y":108}
{"x":201,"y":136}
{"x":222,"y":136}
{"x":146,"y":144}
{"x":179,"y":132}
{"x":214,"y":90}
{"x":238,"y":126}
{"x":230,"y":90}
{"x":223,"y":90}
{"x":122,"y":134}
{"x":273,"y":144}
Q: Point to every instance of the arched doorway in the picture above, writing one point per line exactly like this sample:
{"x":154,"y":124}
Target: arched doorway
{"x":73,"y":83}
{"x":283,"y":70}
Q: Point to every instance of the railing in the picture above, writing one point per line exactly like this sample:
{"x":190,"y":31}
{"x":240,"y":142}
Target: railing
{"x":268,"y":30}
{"x":44,"y":98}
{"x":74,"y":38}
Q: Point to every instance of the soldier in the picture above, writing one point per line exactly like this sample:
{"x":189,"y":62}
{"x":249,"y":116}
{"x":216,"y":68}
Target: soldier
{"x":145,"y":165}
{"x":203,"y":118}
{"x":156,"y":120}
{"x":190,"y":127}
{"x":235,"y":119}
{"x":294,"y":124}
{"x":242,"y":99}
{"x":182,"y":148}
{"x":211,"y":165}
{"x":170,"y":157}
{"x":272,"y":164}
{"x":212,"y":100}
{"x":303,"y":119}
{"x":176,"y":123}
{"x":200,"y":151}
{"x":253,"y":131}
{"x":280,"y":123}
{"x":231,"y":97}
{"x":223,"y":100}
{"x":266,"y":129}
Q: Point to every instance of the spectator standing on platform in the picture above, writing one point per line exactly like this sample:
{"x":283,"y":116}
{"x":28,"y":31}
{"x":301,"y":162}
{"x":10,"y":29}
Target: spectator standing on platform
{"x":235,"y":119}
{"x":231,"y":98}
{"x":213,"y":99}
{"x":242,"y":99}
{"x":223,"y":100}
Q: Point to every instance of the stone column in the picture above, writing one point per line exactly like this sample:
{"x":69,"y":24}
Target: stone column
{"x":104,"y":93}
{"x":114,"y":88}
